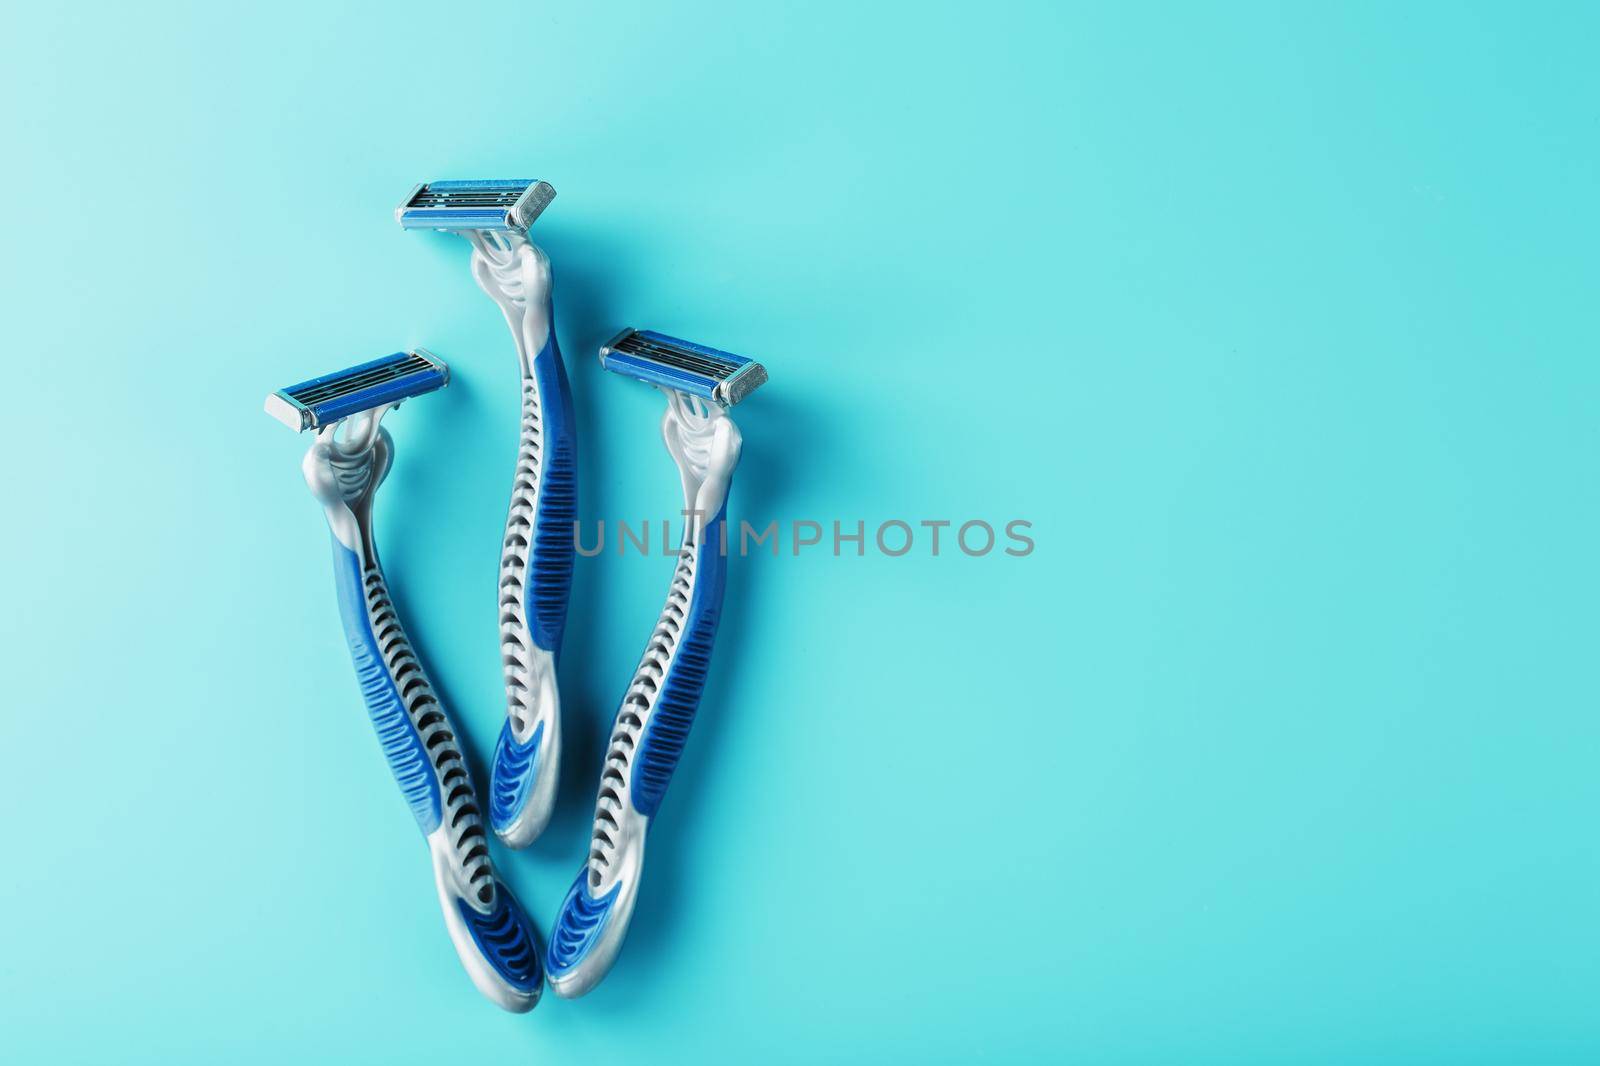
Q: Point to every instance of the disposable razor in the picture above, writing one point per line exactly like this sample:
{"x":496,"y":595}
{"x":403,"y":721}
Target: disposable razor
{"x":537,"y":553}
{"x":347,"y":462}
{"x":653,"y":721}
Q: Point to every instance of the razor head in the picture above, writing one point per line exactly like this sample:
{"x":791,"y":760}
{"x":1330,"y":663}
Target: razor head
{"x":510,"y":204}
{"x":709,"y":373}
{"x":323,"y":401}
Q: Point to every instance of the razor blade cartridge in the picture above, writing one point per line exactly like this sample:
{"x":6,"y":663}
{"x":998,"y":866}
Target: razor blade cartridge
{"x":510,"y":204}
{"x":325,"y":400}
{"x":718,"y":376}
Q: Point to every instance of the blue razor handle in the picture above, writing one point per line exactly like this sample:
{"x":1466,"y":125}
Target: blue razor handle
{"x":535,"y":583}
{"x":658,"y":710}
{"x":537,"y":554}
{"x":493,"y":937}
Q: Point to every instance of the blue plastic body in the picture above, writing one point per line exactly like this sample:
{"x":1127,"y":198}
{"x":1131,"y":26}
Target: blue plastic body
{"x":551,"y":565}
{"x":674,"y":710}
{"x":506,"y":938}
{"x":385,"y":388}
{"x":673,"y":377}
{"x":459,"y":218}
{"x":579,"y":925}
{"x":401,"y":744}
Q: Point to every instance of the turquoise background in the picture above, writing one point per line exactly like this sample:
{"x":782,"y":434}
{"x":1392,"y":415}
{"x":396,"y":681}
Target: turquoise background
{"x":1277,"y":321}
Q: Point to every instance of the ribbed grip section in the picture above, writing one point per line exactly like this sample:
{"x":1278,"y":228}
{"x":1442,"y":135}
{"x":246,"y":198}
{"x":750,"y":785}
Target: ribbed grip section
{"x":673,"y":711}
{"x":536,"y":556}
{"x":514,"y":554}
{"x":580,"y":922}
{"x":557,"y":503}
{"x":417,"y":736}
{"x":513,"y":778}
{"x":402,"y":746}
{"x":506,"y":939}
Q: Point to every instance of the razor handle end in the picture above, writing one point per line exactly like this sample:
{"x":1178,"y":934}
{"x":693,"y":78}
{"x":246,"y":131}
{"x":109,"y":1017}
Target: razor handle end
{"x":496,"y":941}
{"x":589,"y":931}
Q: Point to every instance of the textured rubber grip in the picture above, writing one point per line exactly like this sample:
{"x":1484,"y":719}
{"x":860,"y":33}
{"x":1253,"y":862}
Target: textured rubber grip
{"x":673,"y":713}
{"x":506,"y":940}
{"x":512,"y":779}
{"x":557,"y":505}
{"x":536,"y":580}
{"x":402,"y":745}
{"x":580,"y":923}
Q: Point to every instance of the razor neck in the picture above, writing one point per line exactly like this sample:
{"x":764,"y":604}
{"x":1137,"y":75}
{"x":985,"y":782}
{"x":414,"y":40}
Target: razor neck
{"x":343,"y":468}
{"x":515,"y":273}
{"x":705,"y":443}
